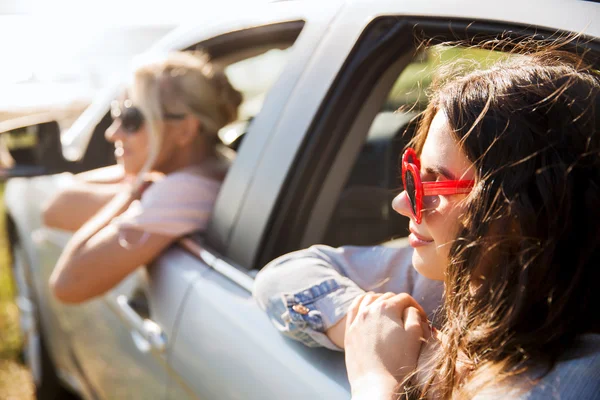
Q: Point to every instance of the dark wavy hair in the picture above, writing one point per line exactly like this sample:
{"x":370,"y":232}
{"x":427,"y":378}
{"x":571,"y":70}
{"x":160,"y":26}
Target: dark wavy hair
{"x":530,"y":237}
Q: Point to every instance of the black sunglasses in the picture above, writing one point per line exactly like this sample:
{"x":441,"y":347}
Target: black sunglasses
{"x":132,"y":118}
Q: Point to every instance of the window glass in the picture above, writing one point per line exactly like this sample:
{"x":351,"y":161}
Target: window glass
{"x":253,"y":77}
{"x":410,"y":89}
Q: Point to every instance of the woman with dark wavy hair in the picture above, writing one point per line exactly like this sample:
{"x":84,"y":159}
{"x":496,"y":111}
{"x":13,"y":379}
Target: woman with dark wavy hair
{"x":502,"y":188}
{"x":503,"y":192}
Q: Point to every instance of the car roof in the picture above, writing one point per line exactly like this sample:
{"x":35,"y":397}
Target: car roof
{"x":582,"y":16}
{"x":257,"y":15}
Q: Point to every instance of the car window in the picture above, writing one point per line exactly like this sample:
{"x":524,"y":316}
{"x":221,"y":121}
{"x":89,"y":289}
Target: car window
{"x":363,"y":214}
{"x":410,"y":89}
{"x":253,"y":77}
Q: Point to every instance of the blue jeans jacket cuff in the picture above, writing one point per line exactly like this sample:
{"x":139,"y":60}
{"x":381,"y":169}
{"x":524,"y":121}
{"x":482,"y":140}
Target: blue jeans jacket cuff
{"x":297,"y":316}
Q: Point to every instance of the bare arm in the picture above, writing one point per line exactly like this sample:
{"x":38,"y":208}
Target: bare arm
{"x":104,"y":175}
{"x":70,"y":208}
{"x":74,"y":206}
{"x":337,"y":332}
{"x":93,"y":261}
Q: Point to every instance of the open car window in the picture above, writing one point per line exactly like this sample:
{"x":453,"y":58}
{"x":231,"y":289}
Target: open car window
{"x":253,"y":77}
{"x":363,"y":214}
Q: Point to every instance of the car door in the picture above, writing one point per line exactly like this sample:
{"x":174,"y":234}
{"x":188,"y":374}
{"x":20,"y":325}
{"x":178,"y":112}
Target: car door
{"x":226,"y":347}
{"x":106,"y":341}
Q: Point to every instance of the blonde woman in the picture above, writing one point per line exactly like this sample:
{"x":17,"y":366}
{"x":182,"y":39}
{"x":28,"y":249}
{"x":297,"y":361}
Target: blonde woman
{"x":165,"y":183}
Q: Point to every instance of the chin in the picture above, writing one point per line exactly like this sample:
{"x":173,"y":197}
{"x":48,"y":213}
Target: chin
{"x":426,"y":262}
{"x":130,"y":168}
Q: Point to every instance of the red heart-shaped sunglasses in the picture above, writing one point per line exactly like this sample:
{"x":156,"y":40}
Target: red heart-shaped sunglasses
{"x":416,"y":189}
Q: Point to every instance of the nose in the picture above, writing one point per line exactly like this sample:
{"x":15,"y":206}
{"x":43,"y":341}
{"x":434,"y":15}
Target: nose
{"x":401,"y":204}
{"x":114,"y":132}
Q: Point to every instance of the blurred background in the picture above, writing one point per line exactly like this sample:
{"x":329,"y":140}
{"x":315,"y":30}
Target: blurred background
{"x":56,"y":57}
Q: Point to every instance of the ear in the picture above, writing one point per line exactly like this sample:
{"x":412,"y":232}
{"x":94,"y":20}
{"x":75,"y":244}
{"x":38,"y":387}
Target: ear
{"x":190,"y":127}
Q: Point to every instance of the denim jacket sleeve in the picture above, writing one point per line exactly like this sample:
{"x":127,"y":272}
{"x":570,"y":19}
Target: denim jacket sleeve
{"x":306,"y":292}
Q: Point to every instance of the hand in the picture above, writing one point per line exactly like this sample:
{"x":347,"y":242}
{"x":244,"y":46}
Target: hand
{"x":148,"y":179}
{"x":383,"y":338}
{"x":153,"y":176}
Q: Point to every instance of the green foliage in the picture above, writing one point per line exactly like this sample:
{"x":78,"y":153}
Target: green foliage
{"x":410,"y":89}
{"x":9,"y":330}
{"x":15,"y":381}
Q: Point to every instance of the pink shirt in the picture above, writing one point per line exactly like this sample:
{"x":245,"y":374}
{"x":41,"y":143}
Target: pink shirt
{"x":177,"y":205}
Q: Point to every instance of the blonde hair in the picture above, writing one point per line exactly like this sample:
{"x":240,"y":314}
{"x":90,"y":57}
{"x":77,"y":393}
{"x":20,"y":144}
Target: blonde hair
{"x":181,"y":83}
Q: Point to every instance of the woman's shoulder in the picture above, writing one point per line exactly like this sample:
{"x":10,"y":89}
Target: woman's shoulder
{"x":195,"y":174}
{"x":189,"y":185}
{"x":585,"y":352}
{"x":186,"y":179}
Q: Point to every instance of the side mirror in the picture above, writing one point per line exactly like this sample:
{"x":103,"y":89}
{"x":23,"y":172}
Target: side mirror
{"x":32,"y":150}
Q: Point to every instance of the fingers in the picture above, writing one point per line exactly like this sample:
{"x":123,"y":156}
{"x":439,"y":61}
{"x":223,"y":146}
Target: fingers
{"x":412,"y":315}
{"x":360,"y":302}
{"x":402,"y":301}
{"x":369,"y":299}
{"x":413,"y":322}
{"x":426,"y":330}
{"x":353,"y":310}
{"x":384,"y":296}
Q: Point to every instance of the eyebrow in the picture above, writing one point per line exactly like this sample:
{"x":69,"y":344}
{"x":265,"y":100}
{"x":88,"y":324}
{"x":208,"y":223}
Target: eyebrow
{"x":439,"y":170}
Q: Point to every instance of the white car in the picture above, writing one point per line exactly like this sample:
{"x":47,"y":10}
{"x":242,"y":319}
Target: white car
{"x":317,"y":163}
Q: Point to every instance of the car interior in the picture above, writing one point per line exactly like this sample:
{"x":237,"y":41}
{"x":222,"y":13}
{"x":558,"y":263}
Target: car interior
{"x":363,"y":214}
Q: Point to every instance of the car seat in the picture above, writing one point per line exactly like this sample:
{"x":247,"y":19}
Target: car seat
{"x":364,"y":215}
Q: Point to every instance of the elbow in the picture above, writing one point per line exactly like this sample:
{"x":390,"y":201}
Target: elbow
{"x":63,"y":290}
{"x":48,"y":215}
{"x":266,"y":286}
{"x":259,"y":289}
{"x":51,"y":213}
{"x":60,"y":212}
{"x":285,"y":274}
